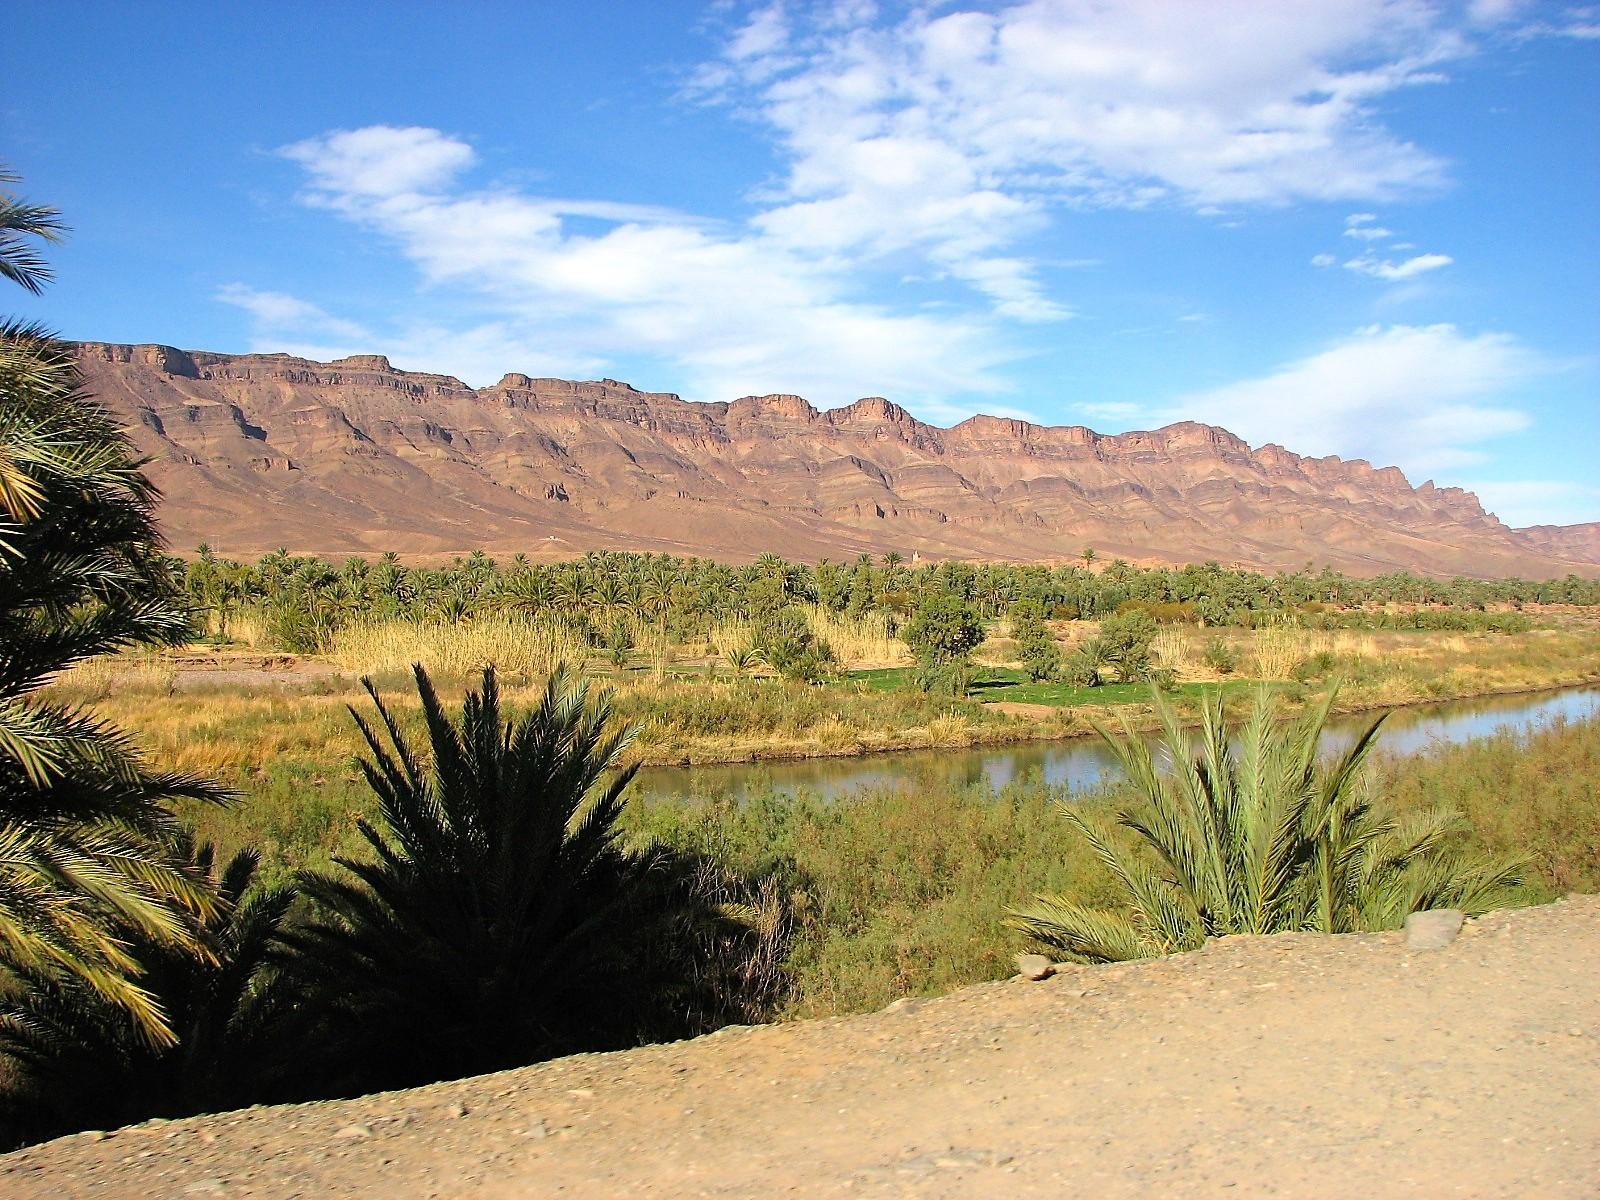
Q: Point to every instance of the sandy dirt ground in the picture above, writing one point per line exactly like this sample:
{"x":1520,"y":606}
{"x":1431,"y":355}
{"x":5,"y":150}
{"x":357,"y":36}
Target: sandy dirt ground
{"x":1292,"y":1066}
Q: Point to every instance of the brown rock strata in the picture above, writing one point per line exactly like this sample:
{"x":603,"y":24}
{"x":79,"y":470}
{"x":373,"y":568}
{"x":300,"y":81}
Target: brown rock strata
{"x":354,"y":456}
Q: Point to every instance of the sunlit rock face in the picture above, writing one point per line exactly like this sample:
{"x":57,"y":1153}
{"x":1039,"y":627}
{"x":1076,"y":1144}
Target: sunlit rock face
{"x":265,"y":450}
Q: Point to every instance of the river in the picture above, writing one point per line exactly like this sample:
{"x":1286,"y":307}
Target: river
{"x":1083,"y":762}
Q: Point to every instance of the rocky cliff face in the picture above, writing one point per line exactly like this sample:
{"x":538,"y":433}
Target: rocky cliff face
{"x":258,"y":451}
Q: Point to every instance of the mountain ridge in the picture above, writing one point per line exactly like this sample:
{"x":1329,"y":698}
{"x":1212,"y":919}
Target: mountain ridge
{"x":355,"y":456}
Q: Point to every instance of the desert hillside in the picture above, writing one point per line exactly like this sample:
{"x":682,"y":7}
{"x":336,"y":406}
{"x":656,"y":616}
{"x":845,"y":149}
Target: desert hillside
{"x":1296,"y":1065}
{"x":258,"y":451}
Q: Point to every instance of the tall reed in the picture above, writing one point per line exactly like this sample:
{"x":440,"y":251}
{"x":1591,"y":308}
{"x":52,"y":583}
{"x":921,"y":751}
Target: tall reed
{"x":858,"y":641}
{"x":517,"y":646}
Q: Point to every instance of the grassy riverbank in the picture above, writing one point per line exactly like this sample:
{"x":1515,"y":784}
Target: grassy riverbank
{"x":236,"y":718}
{"x":898,"y":891}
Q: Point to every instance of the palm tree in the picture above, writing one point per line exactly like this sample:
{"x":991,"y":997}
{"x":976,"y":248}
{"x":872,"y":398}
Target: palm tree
{"x":20,"y":260}
{"x":655,"y":596}
{"x":1254,"y":833}
{"x":499,"y":911}
{"x":743,"y":660}
{"x":78,"y":1061}
{"x":86,"y":834}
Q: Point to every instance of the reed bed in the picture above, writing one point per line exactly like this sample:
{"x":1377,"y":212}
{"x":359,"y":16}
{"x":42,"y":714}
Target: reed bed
{"x":244,"y":627}
{"x":730,"y":635}
{"x":1179,"y":649}
{"x":1279,"y":649}
{"x":858,"y":641}
{"x":516,"y":646}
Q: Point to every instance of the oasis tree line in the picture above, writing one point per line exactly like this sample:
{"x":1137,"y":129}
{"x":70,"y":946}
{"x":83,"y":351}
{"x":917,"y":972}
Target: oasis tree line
{"x":303,"y":601}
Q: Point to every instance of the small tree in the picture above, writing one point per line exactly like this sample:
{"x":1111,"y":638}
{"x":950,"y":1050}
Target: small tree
{"x":499,"y":910}
{"x":1041,"y":658}
{"x":787,"y":643}
{"x":78,"y":1060}
{"x":1126,"y":638}
{"x":619,"y":642}
{"x":87,"y":837}
{"x":942,"y":634}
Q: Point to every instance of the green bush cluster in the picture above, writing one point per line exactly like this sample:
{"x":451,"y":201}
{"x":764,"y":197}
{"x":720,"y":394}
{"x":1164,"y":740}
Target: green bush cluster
{"x":785,"y":639}
{"x":942,"y":635}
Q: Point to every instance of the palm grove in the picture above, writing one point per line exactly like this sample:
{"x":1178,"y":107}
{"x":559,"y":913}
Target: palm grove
{"x":497,"y":904}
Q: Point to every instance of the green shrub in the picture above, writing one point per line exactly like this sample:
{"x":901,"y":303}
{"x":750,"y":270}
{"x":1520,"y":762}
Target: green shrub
{"x":1220,"y":657}
{"x":944,"y":628}
{"x":1041,"y":657}
{"x":1317,"y":666}
{"x":786,"y":641}
{"x":942,"y":678}
{"x":1125,"y":639}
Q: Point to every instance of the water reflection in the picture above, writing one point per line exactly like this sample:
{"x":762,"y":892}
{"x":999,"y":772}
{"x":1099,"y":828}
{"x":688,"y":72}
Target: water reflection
{"x":1084,"y":762}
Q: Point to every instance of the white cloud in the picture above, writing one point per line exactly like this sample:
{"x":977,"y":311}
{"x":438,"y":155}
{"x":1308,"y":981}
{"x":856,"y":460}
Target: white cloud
{"x":956,"y":134}
{"x":1119,"y":104}
{"x":733,"y":311}
{"x":761,"y":36}
{"x":927,"y":145}
{"x":280,"y":313}
{"x":1394,"y":272}
{"x":1520,"y":503}
{"x":1423,"y":397}
{"x":1110,"y":412}
{"x":381,"y":160}
{"x":1575,"y":21}
{"x":1362,"y":225}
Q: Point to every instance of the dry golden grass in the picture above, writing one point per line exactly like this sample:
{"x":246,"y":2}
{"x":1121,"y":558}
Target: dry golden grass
{"x":248,"y":629}
{"x":515,"y":646}
{"x":247,"y":729}
{"x":950,"y":730}
{"x":1278,"y":650}
{"x":835,"y":736}
{"x":1178,"y":648}
{"x":729,"y":635}
{"x":858,"y":643}
{"x":143,"y":671}
{"x":997,"y":651}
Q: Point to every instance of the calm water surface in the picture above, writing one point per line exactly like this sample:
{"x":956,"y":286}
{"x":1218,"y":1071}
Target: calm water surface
{"x":1084,"y":762}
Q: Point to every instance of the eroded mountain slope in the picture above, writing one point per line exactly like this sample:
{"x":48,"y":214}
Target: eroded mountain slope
{"x":258,"y":451}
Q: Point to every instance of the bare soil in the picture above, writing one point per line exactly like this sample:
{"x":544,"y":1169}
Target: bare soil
{"x":1295,"y":1065}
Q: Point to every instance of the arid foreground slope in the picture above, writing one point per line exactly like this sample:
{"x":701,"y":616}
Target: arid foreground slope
{"x":258,"y":451}
{"x":1295,"y":1066}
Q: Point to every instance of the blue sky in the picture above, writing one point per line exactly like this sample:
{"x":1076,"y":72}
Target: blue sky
{"x":1356,"y":227}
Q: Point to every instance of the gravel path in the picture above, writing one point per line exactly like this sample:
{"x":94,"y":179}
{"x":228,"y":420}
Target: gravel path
{"x":1293,"y":1066}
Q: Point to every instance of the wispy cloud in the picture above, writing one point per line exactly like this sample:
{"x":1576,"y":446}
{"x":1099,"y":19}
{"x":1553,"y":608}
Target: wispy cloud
{"x":1394,"y":272}
{"x":1372,"y":263}
{"x":957,"y":135}
{"x":731,"y":310}
{"x":278,"y":313}
{"x":380,"y":160}
{"x":1422,"y":397}
{"x":929,"y":145}
{"x":1523,"y":502}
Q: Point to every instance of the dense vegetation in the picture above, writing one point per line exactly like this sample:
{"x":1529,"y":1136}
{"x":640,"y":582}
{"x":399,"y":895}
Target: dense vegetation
{"x":303,"y":603}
